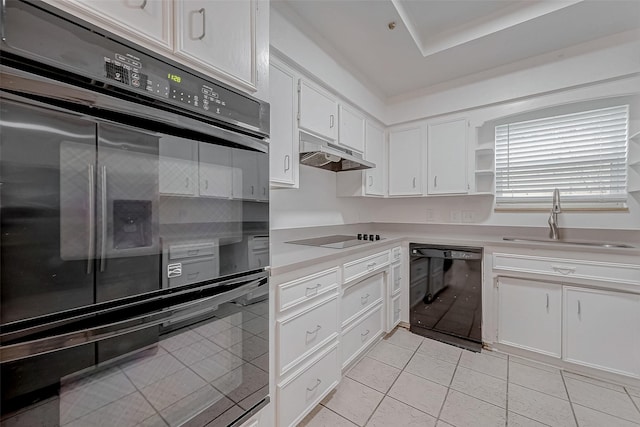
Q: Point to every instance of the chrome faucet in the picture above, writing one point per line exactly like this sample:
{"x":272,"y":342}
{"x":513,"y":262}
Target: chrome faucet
{"x":554,"y":232}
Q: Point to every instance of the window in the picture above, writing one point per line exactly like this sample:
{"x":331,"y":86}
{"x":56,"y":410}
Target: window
{"x":582,"y":154}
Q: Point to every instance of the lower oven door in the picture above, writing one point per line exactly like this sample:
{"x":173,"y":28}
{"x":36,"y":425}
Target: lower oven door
{"x":209,"y":367}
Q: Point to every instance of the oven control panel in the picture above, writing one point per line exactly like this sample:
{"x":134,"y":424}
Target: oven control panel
{"x":176,"y":86}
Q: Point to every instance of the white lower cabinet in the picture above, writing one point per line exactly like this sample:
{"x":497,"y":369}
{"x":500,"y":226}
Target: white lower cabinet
{"x":530,"y":315}
{"x":302,"y":333}
{"x":301,"y":392}
{"x":360,"y":334}
{"x":361,"y":296}
{"x":603,"y":330}
{"x":395,"y":311}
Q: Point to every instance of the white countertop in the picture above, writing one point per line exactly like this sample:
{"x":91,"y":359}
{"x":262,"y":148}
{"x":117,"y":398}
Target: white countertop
{"x":287,"y":257}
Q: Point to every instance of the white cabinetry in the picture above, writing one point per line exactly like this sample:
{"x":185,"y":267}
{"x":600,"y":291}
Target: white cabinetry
{"x":603,"y":330}
{"x":246,"y":173}
{"x":318,"y":111}
{"x":530,"y":315}
{"x":447,"y":157}
{"x":351,"y":129}
{"x":218,"y":35}
{"x":178,"y":168}
{"x":405,"y":161}
{"x":149,"y":22}
{"x":394,"y":285}
{"x":283,"y":145}
{"x":374,"y":152}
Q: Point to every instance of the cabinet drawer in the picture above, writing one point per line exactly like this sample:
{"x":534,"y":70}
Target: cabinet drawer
{"x":357,"y":298}
{"x":418,"y":268}
{"x":355,"y":269}
{"x":395,"y":278}
{"x":307,"y":288}
{"x":192,"y":250}
{"x":304,"y":332}
{"x":396,"y":254}
{"x":300,"y":394}
{"x":361,"y":334}
{"x":591,"y":270}
{"x":194,"y":271}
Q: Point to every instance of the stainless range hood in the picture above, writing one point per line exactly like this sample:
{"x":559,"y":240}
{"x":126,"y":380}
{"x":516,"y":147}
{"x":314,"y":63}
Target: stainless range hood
{"x":320,"y":154}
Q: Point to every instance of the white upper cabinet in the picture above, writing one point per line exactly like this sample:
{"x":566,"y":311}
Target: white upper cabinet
{"x":318,"y":111}
{"x":214,"y":170}
{"x":447,"y":157}
{"x":245,"y":175}
{"x":374,"y":152}
{"x":283,"y":145}
{"x":219,"y":35}
{"x":601,"y":330}
{"x":351,"y":130}
{"x":405,"y":161}
{"x":149,"y":21}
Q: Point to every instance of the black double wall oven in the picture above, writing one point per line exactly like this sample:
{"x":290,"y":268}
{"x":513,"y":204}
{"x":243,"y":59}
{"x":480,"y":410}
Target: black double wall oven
{"x":132,"y":191}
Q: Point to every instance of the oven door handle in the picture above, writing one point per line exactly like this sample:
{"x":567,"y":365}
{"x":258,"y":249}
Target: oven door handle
{"x":176,"y":313}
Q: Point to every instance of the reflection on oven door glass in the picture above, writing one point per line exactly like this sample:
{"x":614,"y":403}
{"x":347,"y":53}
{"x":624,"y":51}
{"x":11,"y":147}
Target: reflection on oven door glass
{"x":216,"y":370}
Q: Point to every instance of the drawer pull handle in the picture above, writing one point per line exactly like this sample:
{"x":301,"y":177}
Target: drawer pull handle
{"x":364,"y":299}
{"x":315,"y":331}
{"x":193,"y":252}
{"x":364,"y":334}
{"x":563,"y":270}
{"x":318,"y":382}
{"x":312,"y":288}
{"x":371,"y":265}
{"x":193,"y":275}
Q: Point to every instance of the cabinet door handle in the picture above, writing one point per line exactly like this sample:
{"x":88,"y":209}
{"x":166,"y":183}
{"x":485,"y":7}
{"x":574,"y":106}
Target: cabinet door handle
{"x":91,"y":223}
{"x":370,"y":180}
{"x":331,"y":121}
{"x":315,"y":331}
{"x":287,"y":162}
{"x":435,"y":181}
{"x":186,"y":182}
{"x":414,"y":182}
{"x":312,"y":288}
{"x":397,"y":310}
{"x":252,"y":189}
{"x":547,"y":302}
{"x":563,"y":269}
{"x":318,"y":382}
{"x":264,"y":191}
{"x":204,"y":23}
{"x":144,"y":4}
{"x":579,"y":308}
{"x":363,"y":299}
{"x":206,"y":184}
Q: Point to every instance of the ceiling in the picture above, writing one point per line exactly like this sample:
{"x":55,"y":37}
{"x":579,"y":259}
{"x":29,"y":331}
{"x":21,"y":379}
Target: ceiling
{"x":438,"y":42}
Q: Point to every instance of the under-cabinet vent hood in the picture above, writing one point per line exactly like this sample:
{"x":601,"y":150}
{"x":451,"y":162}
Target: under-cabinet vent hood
{"x":320,"y":154}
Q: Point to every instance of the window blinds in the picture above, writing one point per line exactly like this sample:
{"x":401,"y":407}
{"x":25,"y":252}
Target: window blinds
{"x":583,"y":154}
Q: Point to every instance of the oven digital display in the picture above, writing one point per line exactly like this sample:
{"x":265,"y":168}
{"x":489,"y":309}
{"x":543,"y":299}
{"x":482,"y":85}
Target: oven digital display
{"x":174,"y":77}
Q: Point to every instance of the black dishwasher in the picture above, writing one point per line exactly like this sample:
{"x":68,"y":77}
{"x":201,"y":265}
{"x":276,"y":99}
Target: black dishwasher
{"x":445,"y":294}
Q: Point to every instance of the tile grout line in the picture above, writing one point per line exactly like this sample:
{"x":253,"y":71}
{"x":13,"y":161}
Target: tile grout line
{"x":506,"y":403}
{"x":394,"y":381}
{"x":446,"y":395}
{"x":630,"y":397}
{"x":573,"y":411}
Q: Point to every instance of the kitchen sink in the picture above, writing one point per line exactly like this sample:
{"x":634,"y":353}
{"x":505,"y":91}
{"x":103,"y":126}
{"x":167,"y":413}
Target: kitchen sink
{"x":569,"y":242}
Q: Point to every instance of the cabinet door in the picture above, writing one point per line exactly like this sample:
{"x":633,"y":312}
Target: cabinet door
{"x":351,"y":130}
{"x":150,"y":21}
{"x":394,"y":313}
{"x":447,"y":157}
{"x":218,"y":35}
{"x":214,"y":170}
{"x":178,"y":168}
{"x":530,"y":315}
{"x":374,"y":152}
{"x":245,"y":174}
{"x":283,"y":145}
{"x":318,"y":111}
{"x":405,"y":162}
{"x":263,"y":177}
{"x":601,"y":330}
{"x":396,"y":279}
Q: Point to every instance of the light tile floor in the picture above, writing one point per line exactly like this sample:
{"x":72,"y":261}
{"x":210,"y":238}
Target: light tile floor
{"x":407,"y":381}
